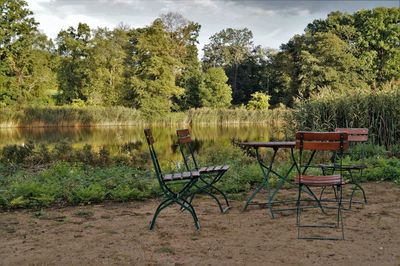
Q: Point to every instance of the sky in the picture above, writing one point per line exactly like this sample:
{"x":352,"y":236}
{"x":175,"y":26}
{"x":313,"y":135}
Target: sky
{"x":272,"y":22}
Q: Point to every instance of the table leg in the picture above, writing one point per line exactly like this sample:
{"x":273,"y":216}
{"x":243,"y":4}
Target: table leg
{"x":265,"y":182}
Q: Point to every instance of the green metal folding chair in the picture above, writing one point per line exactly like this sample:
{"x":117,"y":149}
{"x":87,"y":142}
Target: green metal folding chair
{"x":186,"y":181}
{"x":209,"y":175}
{"x":314,"y":142}
{"x":356,"y":137}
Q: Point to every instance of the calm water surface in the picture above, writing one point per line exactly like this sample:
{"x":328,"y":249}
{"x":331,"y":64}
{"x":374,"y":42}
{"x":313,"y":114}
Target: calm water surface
{"x":114,"y":137}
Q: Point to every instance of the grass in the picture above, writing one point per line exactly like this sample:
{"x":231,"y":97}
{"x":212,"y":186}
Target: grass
{"x":84,"y":214}
{"x":66,"y":181}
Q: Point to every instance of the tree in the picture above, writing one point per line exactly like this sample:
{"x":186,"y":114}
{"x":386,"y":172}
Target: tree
{"x":215,"y":92}
{"x":154,"y":68}
{"x":25,"y":62}
{"x":107,"y":66}
{"x":74,"y":71}
{"x":379,"y":42}
{"x":185,"y":33}
{"x":341,"y":52}
{"x":259,"y":101}
{"x":228,"y":49}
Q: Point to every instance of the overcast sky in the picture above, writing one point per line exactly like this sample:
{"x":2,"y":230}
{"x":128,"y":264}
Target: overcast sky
{"x":272,"y":22}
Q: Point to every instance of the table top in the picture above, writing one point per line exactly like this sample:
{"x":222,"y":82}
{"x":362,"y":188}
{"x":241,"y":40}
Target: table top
{"x":270,"y":144}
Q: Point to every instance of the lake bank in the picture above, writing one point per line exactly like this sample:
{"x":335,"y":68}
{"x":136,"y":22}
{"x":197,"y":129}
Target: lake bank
{"x":94,"y":116}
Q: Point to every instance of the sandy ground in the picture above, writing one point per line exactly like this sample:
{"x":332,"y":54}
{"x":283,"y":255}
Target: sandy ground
{"x":115,"y":233}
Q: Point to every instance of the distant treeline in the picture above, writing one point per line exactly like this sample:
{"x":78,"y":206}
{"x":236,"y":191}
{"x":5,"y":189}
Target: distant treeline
{"x":156,"y":70}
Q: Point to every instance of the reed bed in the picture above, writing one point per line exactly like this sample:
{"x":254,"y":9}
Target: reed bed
{"x":59,"y":116}
{"x":207,"y":116}
{"x":378,"y":110}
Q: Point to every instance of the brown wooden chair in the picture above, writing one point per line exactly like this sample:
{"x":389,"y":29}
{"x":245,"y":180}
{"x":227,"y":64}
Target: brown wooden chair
{"x":209,"y":175}
{"x":356,"y":136}
{"x":319,"y":142}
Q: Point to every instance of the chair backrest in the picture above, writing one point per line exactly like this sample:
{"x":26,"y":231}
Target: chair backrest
{"x":355,"y":134}
{"x":322,"y":141}
{"x":186,"y":148}
{"x":157,"y":168}
{"x":336,"y":142}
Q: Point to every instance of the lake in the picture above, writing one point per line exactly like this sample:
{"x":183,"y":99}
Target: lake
{"x":114,"y":137}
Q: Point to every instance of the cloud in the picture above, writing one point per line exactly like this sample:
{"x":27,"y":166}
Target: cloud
{"x":299,"y":8}
{"x":272,"y":22}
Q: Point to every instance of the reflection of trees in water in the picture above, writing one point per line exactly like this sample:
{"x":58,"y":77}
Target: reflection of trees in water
{"x":196,"y":145}
{"x":117,"y":138}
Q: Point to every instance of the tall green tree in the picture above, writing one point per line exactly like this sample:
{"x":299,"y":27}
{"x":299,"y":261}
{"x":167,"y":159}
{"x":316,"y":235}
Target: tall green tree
{"x":228,"y":49}
{"x":379,"y":42}
{"x":24,"y":66}
{"x":341,"y":52}
{"x":74,"y":47}
{"x":185,"y":33}
{"x":154,"y":68}
{"x":215,"y":91}
{"x":107,"y":66}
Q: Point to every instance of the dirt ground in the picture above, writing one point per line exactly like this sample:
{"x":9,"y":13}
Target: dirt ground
{"x":114,"y":233}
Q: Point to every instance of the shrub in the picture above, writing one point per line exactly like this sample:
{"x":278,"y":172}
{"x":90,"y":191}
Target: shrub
{"x":259,"y":101}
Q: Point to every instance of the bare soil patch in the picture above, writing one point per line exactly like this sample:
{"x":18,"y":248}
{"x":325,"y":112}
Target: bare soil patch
{"x":117,"y":233}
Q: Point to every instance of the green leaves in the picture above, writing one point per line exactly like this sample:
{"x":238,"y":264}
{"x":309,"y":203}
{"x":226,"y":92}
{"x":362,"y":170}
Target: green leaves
{"x":25,"y":65}
{"x":215,"y":92}
{"x":259,"y":101}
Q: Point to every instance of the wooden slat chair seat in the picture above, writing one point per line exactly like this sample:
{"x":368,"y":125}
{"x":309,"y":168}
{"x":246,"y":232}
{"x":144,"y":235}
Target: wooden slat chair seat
{"x":181,"y":176}
{"x":356,"y":136}
{"x":209,"y":175}
{"x":213,"y":169}
{"x":188,"y":179}
{"x":316,"y":180}
{"x":319,"y":142}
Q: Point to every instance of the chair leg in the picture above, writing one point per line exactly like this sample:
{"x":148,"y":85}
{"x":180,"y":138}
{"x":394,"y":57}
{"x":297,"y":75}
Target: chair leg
{"x":340,"y":212}
{"x":316,"y":199}
{"x":322,"y":192}
{"x":207,"y":189}
{"x":160,"y":207}
{"x":215,"y":198}
{"x":186,"y":205}
{"x":298,"y":210}
{"x":355,"y":187}
{"x":224,"y":196}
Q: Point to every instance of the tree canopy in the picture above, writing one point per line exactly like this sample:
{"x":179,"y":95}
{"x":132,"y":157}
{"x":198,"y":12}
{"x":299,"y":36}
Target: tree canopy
{"x":157,"y":69}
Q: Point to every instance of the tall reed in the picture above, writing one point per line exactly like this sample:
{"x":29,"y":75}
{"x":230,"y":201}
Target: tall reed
{"x":113,"y":116}
{"x":378,"y":110}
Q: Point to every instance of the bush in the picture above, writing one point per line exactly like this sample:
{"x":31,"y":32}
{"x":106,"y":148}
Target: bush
{"x":259,"y":101}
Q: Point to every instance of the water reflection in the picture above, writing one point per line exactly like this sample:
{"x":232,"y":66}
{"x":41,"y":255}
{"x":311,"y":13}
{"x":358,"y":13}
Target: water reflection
{"x":115,"y":137}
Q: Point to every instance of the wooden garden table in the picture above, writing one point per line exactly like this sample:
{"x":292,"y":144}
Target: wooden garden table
{"x":267,"y":170}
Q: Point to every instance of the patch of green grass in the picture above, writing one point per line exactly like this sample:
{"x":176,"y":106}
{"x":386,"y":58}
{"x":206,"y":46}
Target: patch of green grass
{"x":84,"y":214}
{"x":165,"y":249}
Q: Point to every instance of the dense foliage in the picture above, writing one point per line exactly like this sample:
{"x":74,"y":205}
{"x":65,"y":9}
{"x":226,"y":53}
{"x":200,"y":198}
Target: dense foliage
{"x":35,"y":177}
{"x":156,"y":68}
{"x":378,"y":110}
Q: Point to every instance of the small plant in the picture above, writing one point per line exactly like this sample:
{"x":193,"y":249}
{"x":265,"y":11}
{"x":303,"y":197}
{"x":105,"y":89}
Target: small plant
{"x":104,"y":156}
{"x":259,"y":101}
{"x":166,"y":249}
{"x":86,"y":155}
{"x":63,"y":151}
{"x":95,"y":192}
{"x":16,"y":154}
{"x":84,"y":214}
{"x":44,"y":154}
